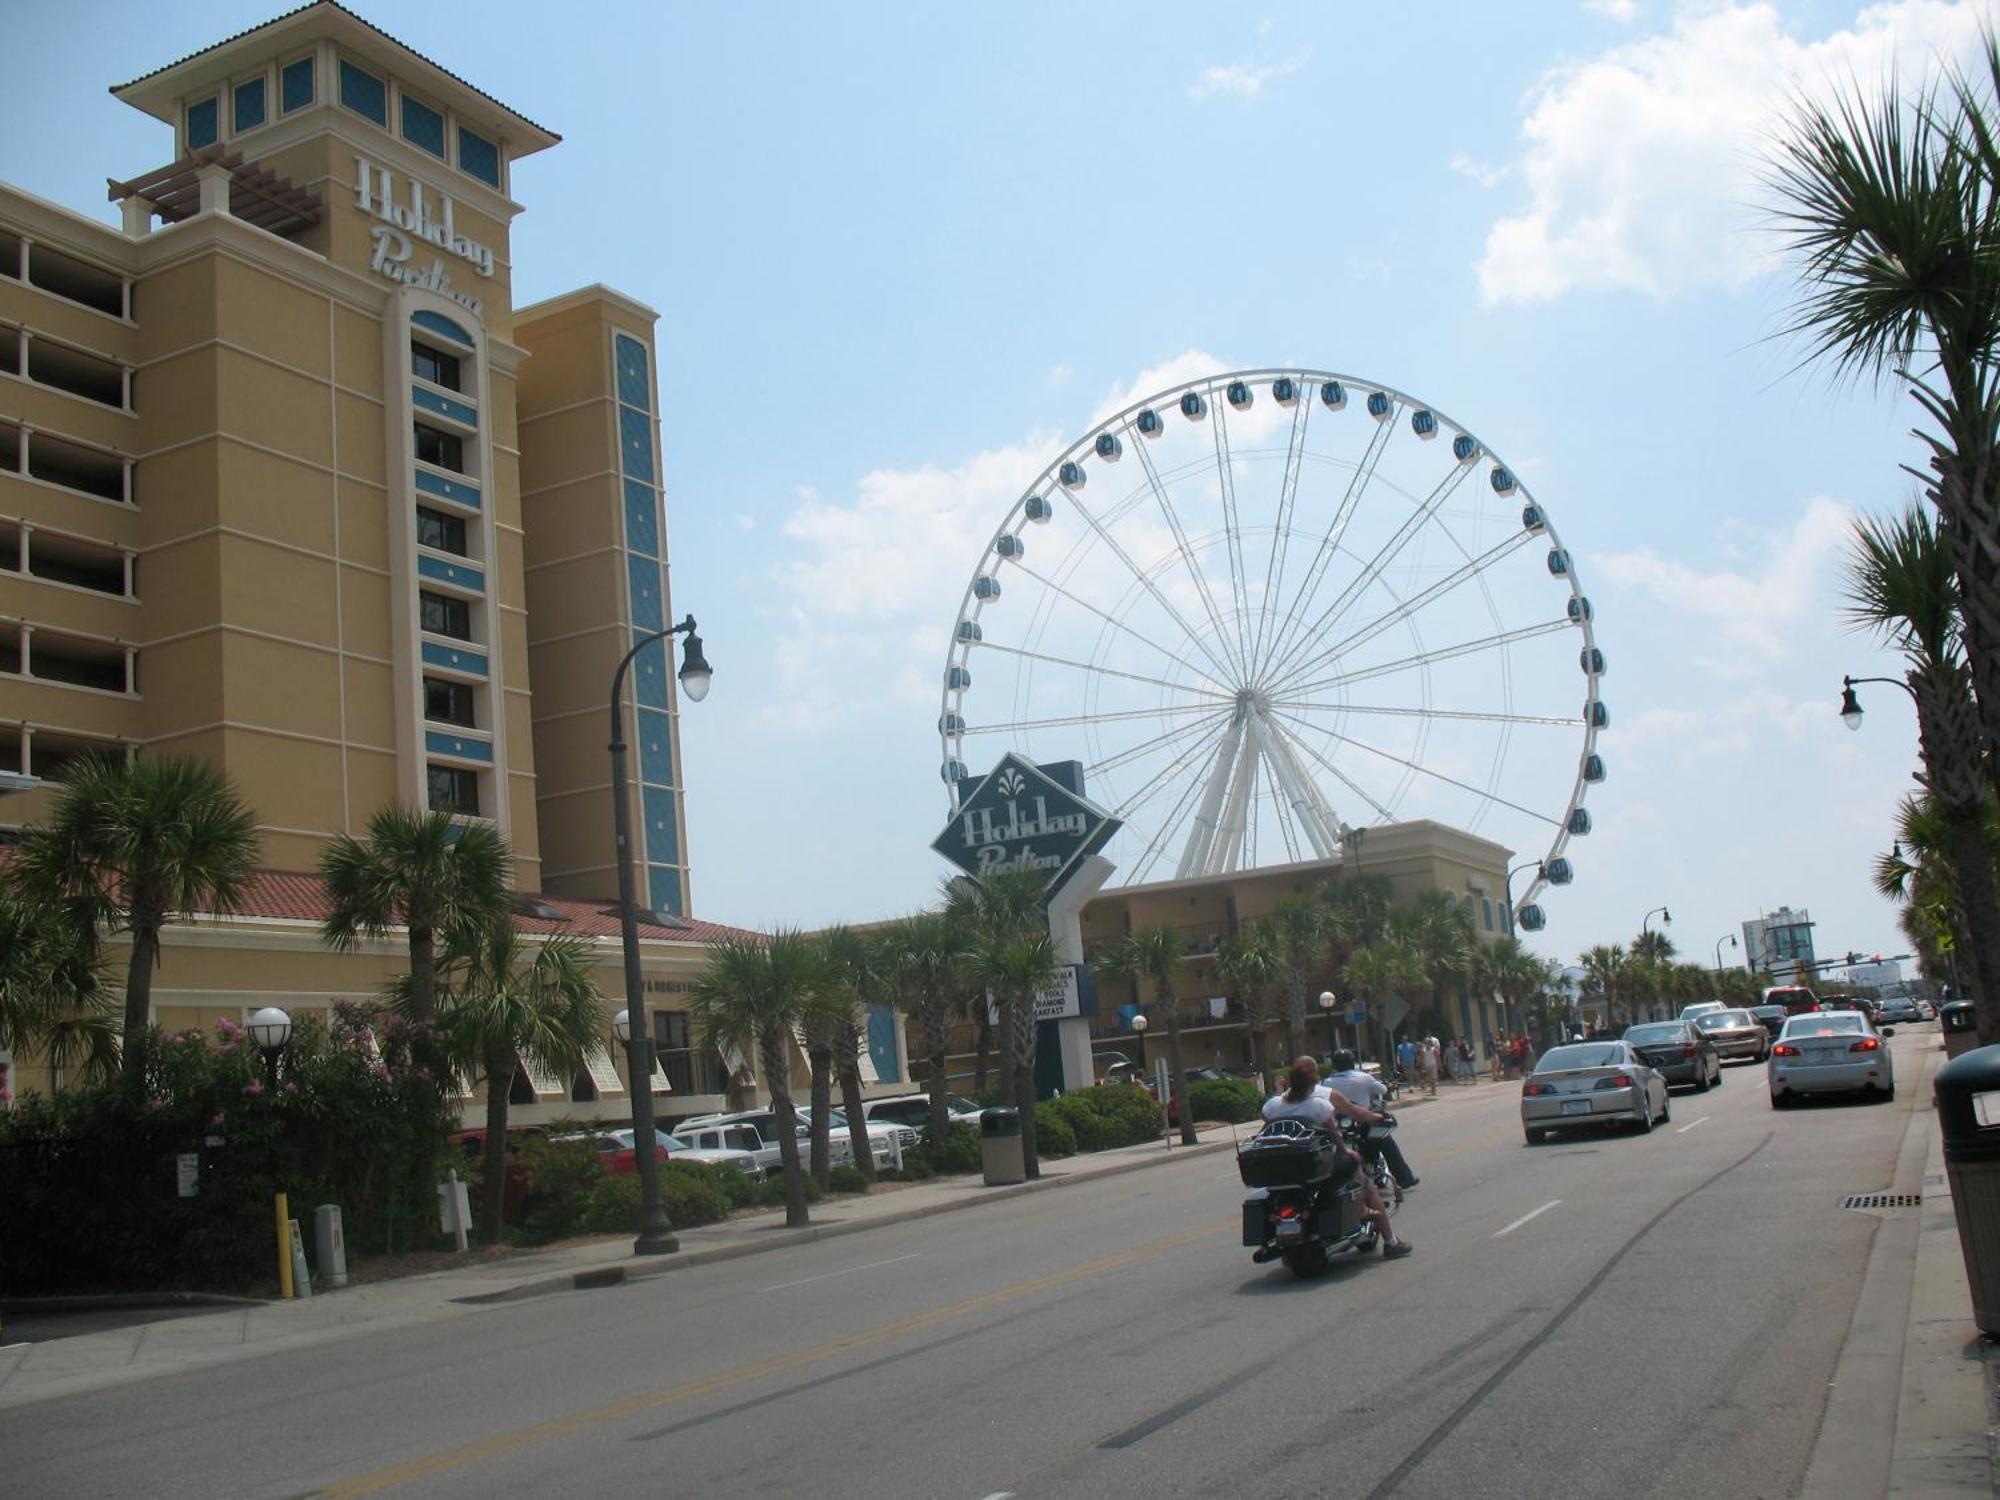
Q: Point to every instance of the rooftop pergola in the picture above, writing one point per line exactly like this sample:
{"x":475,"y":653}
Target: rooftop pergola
{"x":257,"y":195}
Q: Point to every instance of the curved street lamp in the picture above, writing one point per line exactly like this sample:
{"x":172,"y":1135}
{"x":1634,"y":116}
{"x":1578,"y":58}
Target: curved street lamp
{"x":1729,"y":938}
{"x":1327,"y":1001}
{"x":656,"y":1235}
{"x":1850,"y":703}
{"x":1666,"y":917}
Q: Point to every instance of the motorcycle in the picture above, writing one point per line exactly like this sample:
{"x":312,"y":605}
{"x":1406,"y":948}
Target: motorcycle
{"x":1304,"y":1205}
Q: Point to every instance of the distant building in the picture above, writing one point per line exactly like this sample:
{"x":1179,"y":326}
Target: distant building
{"x":1779,"y":942}
{"x":1885,"y":975}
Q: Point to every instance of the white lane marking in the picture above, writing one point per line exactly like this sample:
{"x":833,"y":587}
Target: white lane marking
{"x":827,"y":1275}
{"x":999,"y":1495}
{"x":1692,"y":1123}
{"x":1526,"y":1217}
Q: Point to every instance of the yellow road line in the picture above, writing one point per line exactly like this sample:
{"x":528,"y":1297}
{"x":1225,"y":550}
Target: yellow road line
{"x":501,"y":1443}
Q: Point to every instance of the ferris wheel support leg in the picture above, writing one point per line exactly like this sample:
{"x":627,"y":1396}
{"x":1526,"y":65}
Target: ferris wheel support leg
{"x":1321,"y":825}
{"x":1066,"y":936}
{"x":1201,"y":839}
{"x":1229,"y":838}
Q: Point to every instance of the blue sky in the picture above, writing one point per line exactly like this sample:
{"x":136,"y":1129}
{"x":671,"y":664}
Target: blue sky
{"x":904,"y":254}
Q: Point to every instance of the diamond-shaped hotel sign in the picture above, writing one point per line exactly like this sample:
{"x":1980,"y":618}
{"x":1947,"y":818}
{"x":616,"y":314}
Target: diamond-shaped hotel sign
{"x":1019,"y":818}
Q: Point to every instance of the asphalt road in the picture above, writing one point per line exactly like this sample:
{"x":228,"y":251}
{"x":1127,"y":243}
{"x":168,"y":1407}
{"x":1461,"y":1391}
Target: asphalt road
{"x":1654,"y":1314}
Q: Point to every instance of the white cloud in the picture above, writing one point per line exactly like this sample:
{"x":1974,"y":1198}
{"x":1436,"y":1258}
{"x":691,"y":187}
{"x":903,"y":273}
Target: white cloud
{"x":1242,"y":80}
{"x":1059,"y":375}
{"x":1484,"y":173}
{"x":1641,"y":164}
{"x":745,"y":521}
{"x":1618,"y":10}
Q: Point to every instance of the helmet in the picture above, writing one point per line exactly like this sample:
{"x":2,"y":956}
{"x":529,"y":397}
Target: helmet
{"x":1343,"y":1059}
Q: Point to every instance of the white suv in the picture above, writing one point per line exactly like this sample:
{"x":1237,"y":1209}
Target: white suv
{"x":913,"y":1111}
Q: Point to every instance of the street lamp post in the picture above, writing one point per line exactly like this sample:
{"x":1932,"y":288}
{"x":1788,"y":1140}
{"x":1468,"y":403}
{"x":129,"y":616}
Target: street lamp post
{"x":1729,"y":938}
{"x":1850,"y":705}
{"x":1533,"y":864}
{"x":271,"y":1029}
{"x":656,"y":1235}
{"x":1666,"y":917}
{"x":1327,"y":1001}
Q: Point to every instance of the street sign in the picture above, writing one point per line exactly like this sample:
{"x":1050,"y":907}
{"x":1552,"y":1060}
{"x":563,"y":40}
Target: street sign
{"x":1357,"y":1012}
{"x":1019,"y":818}
{"x":1393,"y":1011}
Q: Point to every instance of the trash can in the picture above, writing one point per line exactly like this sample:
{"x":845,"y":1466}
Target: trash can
{"x":1000,"y":1146}
{"x":1961,"y":1027}
{"x":1967,"y":1095}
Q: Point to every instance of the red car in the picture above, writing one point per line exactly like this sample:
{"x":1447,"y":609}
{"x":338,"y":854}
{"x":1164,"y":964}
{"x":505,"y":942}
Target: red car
{"x":614,"y":1149}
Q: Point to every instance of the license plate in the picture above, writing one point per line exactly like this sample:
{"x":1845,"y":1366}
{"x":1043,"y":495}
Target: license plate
{"x":1576,"y":1106}
{"x":1291,"y":1229}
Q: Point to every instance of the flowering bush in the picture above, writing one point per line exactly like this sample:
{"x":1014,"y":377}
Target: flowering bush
{"x":90,"y":1179}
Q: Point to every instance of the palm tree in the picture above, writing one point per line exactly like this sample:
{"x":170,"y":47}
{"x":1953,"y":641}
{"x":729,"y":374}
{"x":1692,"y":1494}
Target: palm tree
{"x":1507,"y":969}
{"x":1603,"y":975}
{"x":1387,"y":969}
{"x":1156,"y":953}
{"x":1439,"y":932}
{"x":855,"y":975}
{"x":1921,"y":881}
{"x":1300,"y":925}
{"x":1248,"y":964}
{"x":425,"y":870}
{"x":53,"y":999}
{"x":749,"y":998}
{"x":923,"y":957}
{"x":1016,"y":969}
{"x":501,"y":999}
{"x":1899,"y":585}
{"x":133,"y":844}
{"x":1888,"y":204}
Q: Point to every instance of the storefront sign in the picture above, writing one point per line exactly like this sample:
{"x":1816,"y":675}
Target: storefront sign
{"x":420,"y":218}
{"x":1019,"y":818}
{"x":1060,"y":1001}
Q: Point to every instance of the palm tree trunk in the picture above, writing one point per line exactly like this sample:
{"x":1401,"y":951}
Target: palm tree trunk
{"x":423,"y":974}
{"x":820,"y":1059}
{"x":985,"y":1047}
{"x":1020,"y":1023}
{"x":493,"y":1169}
{"x":1177,"y":1075}
{"x":1979,"y":909}
{"x":851,"y":1104}
{"x":139,"y":1004}
{"x":936,"y":1030}
{"x":1295,"y":1014}
{"x":1257,"y":1041}
{"x":771,"y":1053}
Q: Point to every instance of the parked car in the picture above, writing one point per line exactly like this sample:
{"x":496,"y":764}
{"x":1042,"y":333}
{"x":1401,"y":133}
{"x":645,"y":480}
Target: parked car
{"x":614,"y":1149}
{"x":1770,"y":1017}
{"x":1701,"y":1008}
{"x":1925,"y":1010}
{"x":886,"y":1138}
{"x":1830,"y":1051}
{"x":733,"y":1133}
{"x":1735,"y":1033}
{"x":470,"y":1145}
{"x":1591,"y":1084}
{"x":913,"y":1111}
{"x":674,"y":1148}
{"x":1116,"y":1067}
{"x":1680,"y":1052}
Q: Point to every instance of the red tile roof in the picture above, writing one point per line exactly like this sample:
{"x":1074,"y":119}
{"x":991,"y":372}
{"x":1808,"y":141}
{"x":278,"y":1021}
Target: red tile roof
{"x":294,"y":895}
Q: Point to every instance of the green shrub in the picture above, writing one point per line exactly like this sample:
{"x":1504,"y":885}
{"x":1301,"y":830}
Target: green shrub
{"x":844,"y":1179}
{"x":771,"y":1193}
{"x":1107,"y":1115}
{"x":690,"y":1195}
{"x":613,"y":1207}
{"x":1227,"y":1099}
{"x":738,"y":1189}
{"x":916,"y":1168}
{"x":958,"y":1152}
{"x":1053,"y":1135}
{"x":561,"y":1176}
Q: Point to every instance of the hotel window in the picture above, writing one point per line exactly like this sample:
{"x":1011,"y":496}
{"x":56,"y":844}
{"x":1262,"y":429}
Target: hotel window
{"x":453,"y":790}
{"x":247,"y":105}
{"x":445,"y":449}
{"x":72,"y":370}
{"x":79,"y":662}
{"x":435,"y":366}
{"x":478,"y":157}
{"x":423,"y":126}
{"x":80,"y":564}
{"x":10,"y":254}
{"x":444,"y":616}
{"x":449,"y":702}
{"x":54,"y":460}
{"x":295,"y":85}
{"x":364,"y":93}
{"x":445,"y":533}
{"x":203,"y":122}
{"x":65,"y":276}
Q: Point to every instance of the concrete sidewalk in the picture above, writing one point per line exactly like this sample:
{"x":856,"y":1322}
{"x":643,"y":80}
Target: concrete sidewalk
{"x":242,"y":1329}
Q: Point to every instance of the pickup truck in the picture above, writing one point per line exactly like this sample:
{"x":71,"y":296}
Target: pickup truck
{"x":727,"y":1131}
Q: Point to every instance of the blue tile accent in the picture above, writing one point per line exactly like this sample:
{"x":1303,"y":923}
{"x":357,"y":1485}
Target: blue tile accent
{"x":454,"y":490}
{"x":882,"y":1043}
{"x":649,"y":674}
{"x":656,"y":747}
{"x":457,"y":574}
{"x":203,"y":123}
{"x":634,"y":389}
{"x":635,"y":443}
{"x":444,"y":406}
{"x":478,"y":157}
{"x":648,"y":612}
{"x":247,"y":105}
{"x":444,"y":742}
{"x":663,"y":890}
{"x":642,"y":518}
{"x":663,"y":834}
{"x":364,"y":93}
{"x":295,"y":85}
{"x":423,"y":126}
{"x":454,"y":658}
{"x":438,"y":323}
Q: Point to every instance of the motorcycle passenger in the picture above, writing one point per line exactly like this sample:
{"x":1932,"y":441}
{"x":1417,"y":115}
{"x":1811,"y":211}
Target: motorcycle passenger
{"x":1303,"y":1100}
{"x":1349,"y":1081}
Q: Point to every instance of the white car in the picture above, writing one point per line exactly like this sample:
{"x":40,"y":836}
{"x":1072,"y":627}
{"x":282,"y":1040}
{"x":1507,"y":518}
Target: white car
{"x":711,"y":1156}
{"x":1830,"y":1051}
{"x":1701,"y":1008}
{"x":888,"y":1139}
{"x":913,"y":1111}
{"x":1591,"y":1084}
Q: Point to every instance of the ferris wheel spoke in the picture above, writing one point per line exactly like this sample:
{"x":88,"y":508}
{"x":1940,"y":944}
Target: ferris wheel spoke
{"x":1102,"y":671}
{"x":1188,"y":559}
{"x":1405,"y":608}
{"x":1443,"y":653}
{"x":1151,"y":787}
{"x":1341,"y":776}
{"x":1296,"y":705}
{"x":1389,"y":551}
{"x":1145,"y":747}
{"x":1069,"y":721}
{"x":1225,"y":475}
{"x":1484,"y":794}
{"x":1336,"y":531}
{"x":1282,"y":817}
{"x":1175,"y":818}
{"x":1117,"y":624}
{"x":1281,"y":534}
{"x":1317,"y":819}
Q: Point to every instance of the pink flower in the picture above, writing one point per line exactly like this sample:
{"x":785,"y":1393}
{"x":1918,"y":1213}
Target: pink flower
{"x":254,"y":1086}
{"x":216,"y":1123}
{"x":380,"y":1070}
{"x":156,"y":1102}
{"x":291,"y":1088}
{"x":227,"y":1028}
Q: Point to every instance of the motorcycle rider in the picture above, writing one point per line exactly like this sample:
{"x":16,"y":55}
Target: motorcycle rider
{"x":1357,"y":1087}
{"x":1304,"y":1100}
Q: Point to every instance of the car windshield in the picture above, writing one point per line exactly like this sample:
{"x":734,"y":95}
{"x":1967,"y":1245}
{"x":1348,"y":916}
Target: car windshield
{"x":1583,"y":1055}
{"x":1659,"y":1031}
{"x":1825,"y":1023}
{"x":1722,"y":1020}
{"x":674,"y":1142}
{"x":960,"y":1104}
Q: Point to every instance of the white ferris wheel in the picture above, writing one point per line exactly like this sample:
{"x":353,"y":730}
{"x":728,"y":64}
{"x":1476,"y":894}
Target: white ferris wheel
{"x":1271,"y":607}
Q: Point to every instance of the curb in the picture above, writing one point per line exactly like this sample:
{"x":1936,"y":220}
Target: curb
{"x":622,"y":1274}
{"x":99,"y":1301}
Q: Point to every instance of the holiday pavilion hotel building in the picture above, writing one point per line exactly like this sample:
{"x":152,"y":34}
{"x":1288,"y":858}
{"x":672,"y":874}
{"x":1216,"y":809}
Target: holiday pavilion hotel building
{"x":289,"y":482}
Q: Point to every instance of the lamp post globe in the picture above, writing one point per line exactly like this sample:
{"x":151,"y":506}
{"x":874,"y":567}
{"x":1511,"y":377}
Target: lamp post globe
{"x":621,"y":1027}
{"x":1327,"y":1001}
{"x":271,"y":1029}
{"x":1850,"y":705}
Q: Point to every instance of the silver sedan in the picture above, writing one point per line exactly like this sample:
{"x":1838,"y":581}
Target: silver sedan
{"x":1591,"y":1084}
{"x":1830,"y":1051}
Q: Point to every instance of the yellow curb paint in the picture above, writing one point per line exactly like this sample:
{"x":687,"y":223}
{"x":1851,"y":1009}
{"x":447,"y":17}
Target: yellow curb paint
{"x":502,"y":1443}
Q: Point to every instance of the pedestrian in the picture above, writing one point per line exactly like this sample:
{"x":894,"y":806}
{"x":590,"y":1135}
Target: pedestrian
{"x":1468,"y":1064}
{"x":1427,"y":1065}
{"x":1406,"y":1059}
